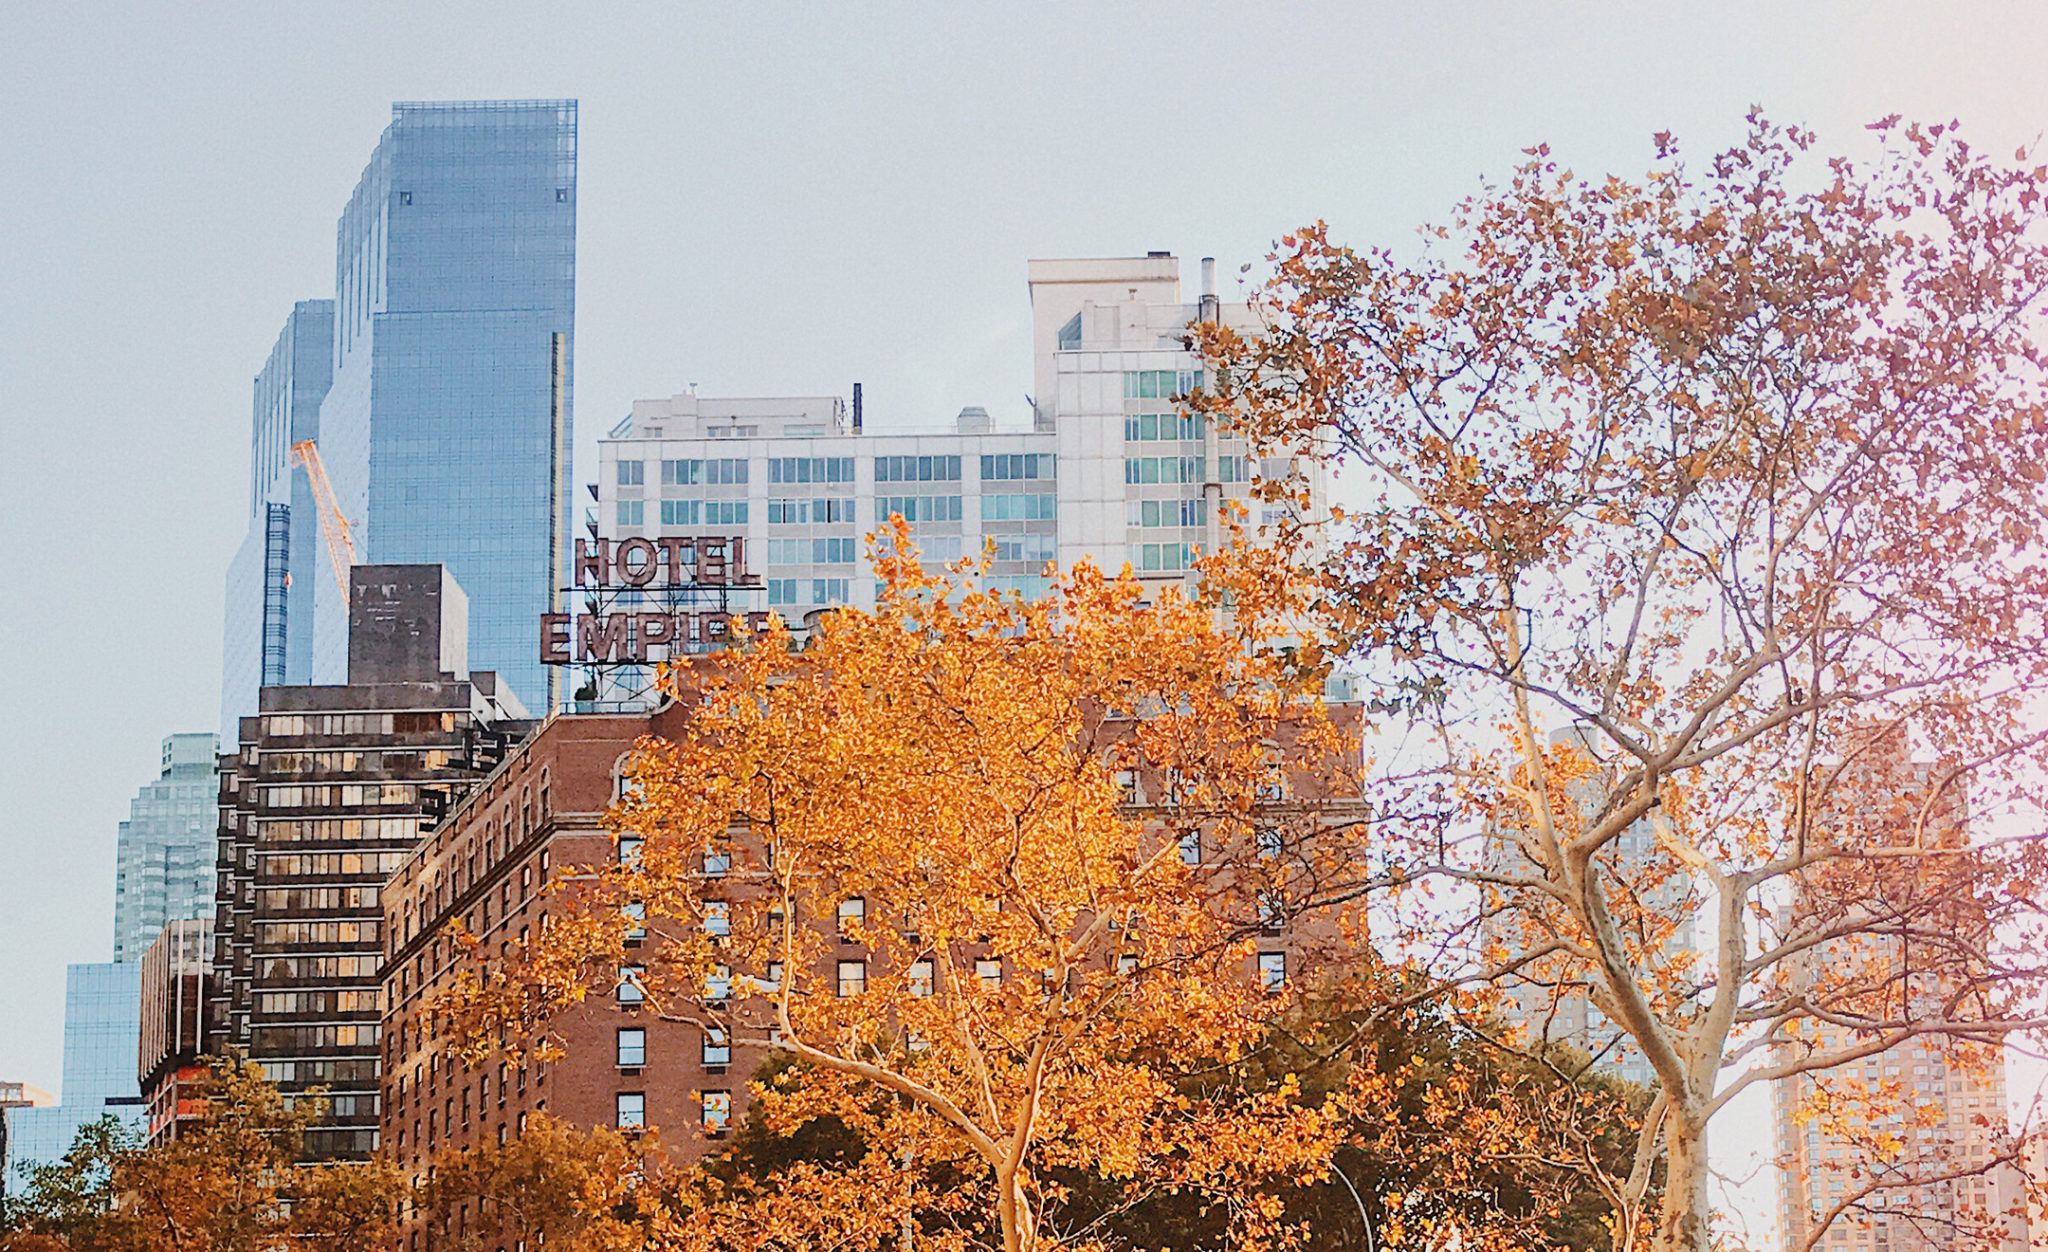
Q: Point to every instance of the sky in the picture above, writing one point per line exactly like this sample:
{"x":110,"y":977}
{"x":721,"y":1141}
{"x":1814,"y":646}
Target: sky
{"x":779,"y":198}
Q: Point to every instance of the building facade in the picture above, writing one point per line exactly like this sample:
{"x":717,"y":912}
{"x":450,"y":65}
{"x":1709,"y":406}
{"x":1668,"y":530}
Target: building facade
{"x":1943,"y":1109}
{"x":169,"y":1066}
{"x":329,"y":788}
{"x":15,"y":1096}
{"x":102,"y":1020}
{"x":487,"y":868}
{"x":164,"y":852}
{"x":268,"y":635}
{"x":1109,"y":469}
{"x":1548,"y":1003}
{"x":446,"y":428}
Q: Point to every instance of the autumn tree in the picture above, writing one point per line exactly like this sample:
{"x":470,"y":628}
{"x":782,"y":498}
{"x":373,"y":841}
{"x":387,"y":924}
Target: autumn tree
{"x":231,"y":1182}
{"x":1696,"y":542}
{"x":1446,"y":1140}
{"x":551,"y":1185}
{"x":996,"y":878}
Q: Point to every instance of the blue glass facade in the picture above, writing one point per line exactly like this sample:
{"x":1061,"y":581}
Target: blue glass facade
{"x":102,"y":1036}
{"x":164,"y":855}
{"x":269,"y":630}
{"x":455,"y":269}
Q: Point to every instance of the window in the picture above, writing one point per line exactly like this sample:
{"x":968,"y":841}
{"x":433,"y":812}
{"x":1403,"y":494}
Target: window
{"x":1036,"y":548}
{"x":919,"y":979}
{"x":853,"y":914}
{"x":712,"y":472}
{"x":718,"y":985}
{"x":716,"y":863}
{"x":632,"y":512}
{"x":990,"y":971}
{"x":1127,"y":964}
{"x":1272,"y":912}
{"x":680,"y":512}
{"x":1152,"y":513}
{"x":1006,"y":466}
{"x":1164,"y":556}
{"x":632,"y":473}
{"x":918,"y":508}
{"x":917,"y":469}
{"x":632,"y":1047}
{"x":1146,"y":427}
{"x":636,"y":921}
{"x":717,"y":1050}
{"x":717,"y":918}
{"x":853,"y":978}
{"x":1038,"y":508}
{"x":1233,"y":469}
{"x":840,"y":551}
{"x":1191,"y":848}
{"x":1160,"y":384}
{"x":717,"y":1111}
{"x":629,"y":850}
{"x":831,"y":590}
{"x":1272,"y":970}
{"x":816,"y":469}
{"x":1164,"y":469}
{"x":782,"y":591}
{"x":632,"y":1110}
{"x":808,"y":511}
{"x":630,"y":989}
{"x":1270,"y":843}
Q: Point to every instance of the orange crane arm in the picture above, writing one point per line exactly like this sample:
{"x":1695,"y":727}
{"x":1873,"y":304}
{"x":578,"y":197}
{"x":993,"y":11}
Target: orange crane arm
{"x":341,"y":546}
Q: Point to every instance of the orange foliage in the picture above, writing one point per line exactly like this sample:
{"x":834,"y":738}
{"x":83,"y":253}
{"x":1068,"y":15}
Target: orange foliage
{"x":1676,"y":497}
{"x":937,"y":859}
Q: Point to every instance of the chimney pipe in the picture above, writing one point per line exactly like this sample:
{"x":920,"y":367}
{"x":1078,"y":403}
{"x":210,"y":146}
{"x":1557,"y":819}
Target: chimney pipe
{"x":1211,"y":306}
{"x":856,"y":408}
{"x":1208,"y":276}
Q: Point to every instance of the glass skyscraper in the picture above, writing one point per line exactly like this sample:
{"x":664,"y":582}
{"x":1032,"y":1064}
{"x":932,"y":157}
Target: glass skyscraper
{"x":102,"y":1030}
{"x":269,"y":635}
{"x":164,"y":855}
{"x":446,"y":429}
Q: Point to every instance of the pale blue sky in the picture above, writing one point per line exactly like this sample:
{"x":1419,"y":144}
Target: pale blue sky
{"x":777,"y":198}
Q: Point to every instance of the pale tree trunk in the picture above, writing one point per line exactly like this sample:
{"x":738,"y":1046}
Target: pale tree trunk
{"x":1682,"y":1225}
{"x":1019,"y":1232}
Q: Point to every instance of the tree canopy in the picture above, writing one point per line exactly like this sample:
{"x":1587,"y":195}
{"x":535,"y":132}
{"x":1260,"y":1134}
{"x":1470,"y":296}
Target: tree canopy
{"x":1004,"y":877}
{"x":1694,"y":544}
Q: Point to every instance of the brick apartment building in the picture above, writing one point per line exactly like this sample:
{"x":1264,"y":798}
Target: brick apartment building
{"x":538,"y":814}
{"x":537,"y":817}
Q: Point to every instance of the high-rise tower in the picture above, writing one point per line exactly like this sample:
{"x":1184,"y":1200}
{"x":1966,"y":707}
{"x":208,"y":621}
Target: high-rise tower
{"x":164,"y":854}
{"x":446,"y":428}
{"x":329,"y":788}
{"x":269,"y":635}
{"x":102,"y":1021}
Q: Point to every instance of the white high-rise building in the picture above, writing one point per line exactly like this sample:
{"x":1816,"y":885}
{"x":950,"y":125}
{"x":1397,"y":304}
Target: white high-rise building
{"x":1108,"y":469}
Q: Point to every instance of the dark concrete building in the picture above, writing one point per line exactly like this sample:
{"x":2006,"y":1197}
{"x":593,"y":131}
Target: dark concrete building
{"x":328,"y":789}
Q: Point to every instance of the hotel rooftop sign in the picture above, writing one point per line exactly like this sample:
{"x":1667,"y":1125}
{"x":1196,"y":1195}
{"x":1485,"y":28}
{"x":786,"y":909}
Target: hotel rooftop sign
{"x":652,"y":598}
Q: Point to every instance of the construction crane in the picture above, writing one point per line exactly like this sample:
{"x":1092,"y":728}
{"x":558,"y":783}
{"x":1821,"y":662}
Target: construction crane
{"x":341,"y":546}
